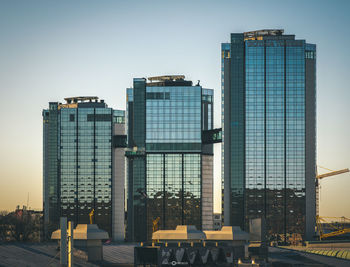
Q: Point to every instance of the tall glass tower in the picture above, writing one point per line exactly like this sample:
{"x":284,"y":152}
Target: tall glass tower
{"x":269,"y":132}
{"x":84,"y":164}
{"x":170,"y":170}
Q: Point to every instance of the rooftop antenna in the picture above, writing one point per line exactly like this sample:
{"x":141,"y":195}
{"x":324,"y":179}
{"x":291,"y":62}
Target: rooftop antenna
{"x":28,"y":201}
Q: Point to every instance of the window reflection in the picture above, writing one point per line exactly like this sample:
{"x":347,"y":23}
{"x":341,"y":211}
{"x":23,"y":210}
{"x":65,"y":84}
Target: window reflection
{"x":275,"y":134}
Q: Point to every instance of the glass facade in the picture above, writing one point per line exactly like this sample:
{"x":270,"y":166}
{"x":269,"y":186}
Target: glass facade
{"x":274,"y":125}
{"x":173,"y":114}
{"x":50,"y":168}
{"x":84,"y":162}
{"x":164,"y":171}
{"x":173,"y":189}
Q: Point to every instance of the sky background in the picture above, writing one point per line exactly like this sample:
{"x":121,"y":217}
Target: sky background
{"x":55,"y":49}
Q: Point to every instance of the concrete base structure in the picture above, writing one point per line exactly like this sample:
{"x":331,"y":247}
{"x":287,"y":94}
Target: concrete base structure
{"x":87,"y":238}
{"x":257,"y":229}
{"x":228,"y":233}
{"x":233,"y":236}
{"x":192,"y":247}
{"x":91,"y":248}
{"x":182,"y":232}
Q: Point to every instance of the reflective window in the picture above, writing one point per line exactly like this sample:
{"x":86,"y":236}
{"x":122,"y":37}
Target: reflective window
{"x":173,"y":190}
{"x":173,"y":114}
{"x":275,"y":134}
{"x":86,"y":164}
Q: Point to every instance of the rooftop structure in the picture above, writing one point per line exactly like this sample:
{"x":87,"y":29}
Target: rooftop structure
{"x":191,"y":233}
{"x":227,"y":233}
{"x":77,"y":99}
{"x":264,"y":32}
{"x":167,"y":78}
{"x":84,"y":232}
{"x":82,"y":101}
{"x":182,"y":232}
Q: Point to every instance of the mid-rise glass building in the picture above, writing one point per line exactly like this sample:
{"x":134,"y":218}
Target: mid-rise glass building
{"x":170,"y":170}
{"x":269,"y":132}
{"x":83,"y":164}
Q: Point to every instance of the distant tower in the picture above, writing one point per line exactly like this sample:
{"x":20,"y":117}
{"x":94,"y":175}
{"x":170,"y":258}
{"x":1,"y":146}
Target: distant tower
{"x":84,"y":163}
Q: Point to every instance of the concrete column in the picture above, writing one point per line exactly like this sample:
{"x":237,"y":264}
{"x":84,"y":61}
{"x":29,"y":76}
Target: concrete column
{"x":207,"y":192}
{"x":118,"y":204}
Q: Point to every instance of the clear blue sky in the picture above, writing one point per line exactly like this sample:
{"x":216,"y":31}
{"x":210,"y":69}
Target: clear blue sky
{"x":53,"y":49}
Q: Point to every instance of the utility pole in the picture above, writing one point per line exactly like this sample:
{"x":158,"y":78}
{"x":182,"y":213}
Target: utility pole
{"x":70,"y":243}
{"x":63,"y":247}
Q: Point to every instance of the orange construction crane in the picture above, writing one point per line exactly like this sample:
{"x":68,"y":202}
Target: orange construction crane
{"x":324,"y":175}
{"x":336,"y":226}
{"x":332,"y":173}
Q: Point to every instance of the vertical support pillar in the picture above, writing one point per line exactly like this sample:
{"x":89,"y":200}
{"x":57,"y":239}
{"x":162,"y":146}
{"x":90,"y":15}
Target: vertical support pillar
{"x":63,"y":245}
{"x":237,"y":132}
{"x":70,"y":244}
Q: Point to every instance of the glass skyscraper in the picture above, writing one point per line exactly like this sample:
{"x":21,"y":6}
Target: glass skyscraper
{"x":170,"y":170}
{"x":269,"y":132}
{"x":83,"y":155}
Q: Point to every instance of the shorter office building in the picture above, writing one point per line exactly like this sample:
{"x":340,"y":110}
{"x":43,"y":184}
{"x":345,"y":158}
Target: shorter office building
{"x":170,"y":169}
{"x":83,"y":164}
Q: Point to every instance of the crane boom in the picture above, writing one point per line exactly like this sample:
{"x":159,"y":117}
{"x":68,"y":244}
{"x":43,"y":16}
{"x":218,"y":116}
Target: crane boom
{"x":321,"y":176}
{"x":336,"y":233}
{"x":338,"y":227}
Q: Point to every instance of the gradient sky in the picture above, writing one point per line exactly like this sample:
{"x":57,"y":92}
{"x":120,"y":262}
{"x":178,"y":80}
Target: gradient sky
{"x":54,"y":49}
